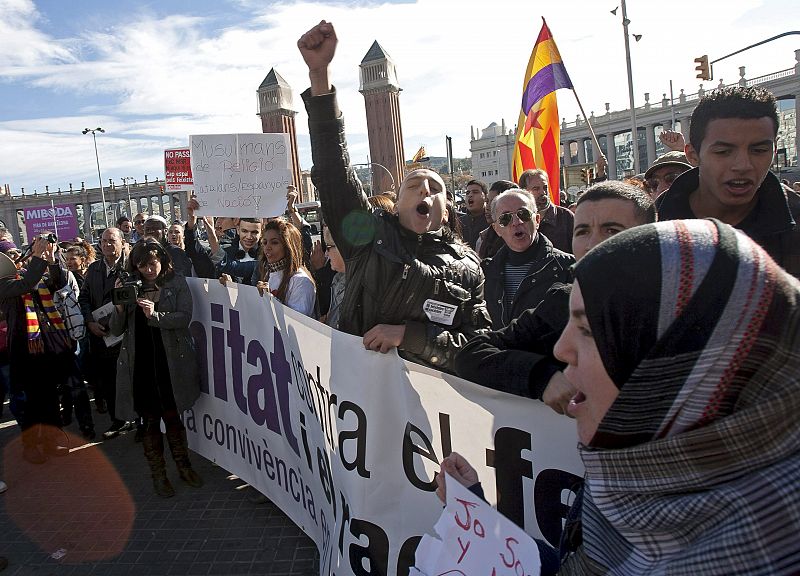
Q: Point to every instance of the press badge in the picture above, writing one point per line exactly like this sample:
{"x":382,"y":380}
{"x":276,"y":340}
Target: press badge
{"x":439,"y":312}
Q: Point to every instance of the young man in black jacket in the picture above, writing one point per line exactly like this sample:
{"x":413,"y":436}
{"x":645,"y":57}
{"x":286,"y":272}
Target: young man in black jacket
{"x":410,"y":284}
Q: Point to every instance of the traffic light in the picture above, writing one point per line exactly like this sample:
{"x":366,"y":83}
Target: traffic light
{"x":703,"y":67}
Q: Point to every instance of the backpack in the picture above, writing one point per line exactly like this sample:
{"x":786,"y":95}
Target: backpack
{"x":67,"y":305}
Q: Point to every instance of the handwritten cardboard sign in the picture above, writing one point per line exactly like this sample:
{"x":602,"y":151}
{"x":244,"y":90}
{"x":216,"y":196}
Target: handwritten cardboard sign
{"x":476,"y":540}
{"x":241,"y":175}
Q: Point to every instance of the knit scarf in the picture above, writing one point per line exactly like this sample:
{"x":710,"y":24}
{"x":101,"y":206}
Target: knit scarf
{"x":694,"y":468}
{"x":51,"y":317}
{"x":277,"y":266}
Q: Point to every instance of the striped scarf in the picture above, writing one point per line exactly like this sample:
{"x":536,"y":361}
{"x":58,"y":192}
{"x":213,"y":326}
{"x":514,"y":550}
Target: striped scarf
{"x":695,"y":467}
{"x":33,"y":316}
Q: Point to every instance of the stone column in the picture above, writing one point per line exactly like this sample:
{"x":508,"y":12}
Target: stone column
{"x":650,"y":138}
{"x":611,"y":155}
{"x":581,"y":151}
{"x":567,"y":153}
{"x":87,"y":217}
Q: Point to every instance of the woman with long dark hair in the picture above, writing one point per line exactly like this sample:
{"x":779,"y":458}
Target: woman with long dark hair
{"x":280,"y":267}
{"x":157,"y":376}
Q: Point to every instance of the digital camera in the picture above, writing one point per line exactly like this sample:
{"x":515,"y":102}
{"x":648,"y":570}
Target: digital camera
{"x":129,"y":291}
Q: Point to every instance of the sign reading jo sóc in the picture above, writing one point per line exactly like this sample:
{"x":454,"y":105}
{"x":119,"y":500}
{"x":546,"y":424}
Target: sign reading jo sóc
{"x":61,"y":219}
{"x":242,"y":175}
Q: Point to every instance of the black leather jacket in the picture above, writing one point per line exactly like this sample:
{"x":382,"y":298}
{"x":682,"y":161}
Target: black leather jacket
{"x":393,"y":275}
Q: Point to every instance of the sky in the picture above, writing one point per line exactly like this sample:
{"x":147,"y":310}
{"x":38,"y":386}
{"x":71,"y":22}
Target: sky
{"x":152,"y":73}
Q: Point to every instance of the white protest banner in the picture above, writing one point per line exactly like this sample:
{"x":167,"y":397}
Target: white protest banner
{"x":346,"y":441}
{"x":178,"y":170}
{"x":475,"y":539}
{"x":241,"y":174}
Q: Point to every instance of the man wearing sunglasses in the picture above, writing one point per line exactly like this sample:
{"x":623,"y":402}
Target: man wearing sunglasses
{"x":518,"y":276}
{"x":138,"y":225}
{"x":663,"y":172}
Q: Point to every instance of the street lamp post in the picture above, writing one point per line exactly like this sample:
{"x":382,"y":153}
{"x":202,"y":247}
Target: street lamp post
{"x":100,"y":178}
{"x":127,"y":181}
{"x":634,"y":129}
{"x":394,"y":187}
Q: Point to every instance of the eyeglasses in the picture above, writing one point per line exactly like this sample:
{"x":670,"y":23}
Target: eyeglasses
{"x":329,"y":246}
{"x":137,"y":222}
{"x":668,"y":178}
{"x":523,"y":214}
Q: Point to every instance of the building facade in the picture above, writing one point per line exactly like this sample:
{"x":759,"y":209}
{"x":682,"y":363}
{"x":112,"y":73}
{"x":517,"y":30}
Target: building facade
{"x":491,"y":152}
{"x":86,"y":206}
{"x":613,"y":128}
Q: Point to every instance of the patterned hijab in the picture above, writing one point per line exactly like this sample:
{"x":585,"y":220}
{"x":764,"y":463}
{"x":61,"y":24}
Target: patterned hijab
{"x":695,"y":467}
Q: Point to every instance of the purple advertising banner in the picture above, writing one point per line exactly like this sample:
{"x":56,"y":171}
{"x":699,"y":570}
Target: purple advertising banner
{"x":41,"y":219}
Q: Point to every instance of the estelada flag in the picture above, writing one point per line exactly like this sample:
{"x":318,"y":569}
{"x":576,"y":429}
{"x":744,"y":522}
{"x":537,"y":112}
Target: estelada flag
{"x":538,"y":131}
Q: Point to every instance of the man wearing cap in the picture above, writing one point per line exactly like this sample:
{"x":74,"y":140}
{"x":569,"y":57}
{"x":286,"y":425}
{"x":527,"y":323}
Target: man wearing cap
{"x":156,"y":227}
{"x":732,"y":141}
{"x":662,"y":173}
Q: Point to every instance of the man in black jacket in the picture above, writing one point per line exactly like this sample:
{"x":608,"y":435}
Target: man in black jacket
{"x":518,"y":359}
{"x":518,"y":276}
{"x":732,"y":143}
{"x":95,"y":293}
{"x":410,"y":284}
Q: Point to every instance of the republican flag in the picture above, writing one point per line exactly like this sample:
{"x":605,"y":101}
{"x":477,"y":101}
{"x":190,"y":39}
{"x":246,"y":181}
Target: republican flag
{"x":538,"y":129}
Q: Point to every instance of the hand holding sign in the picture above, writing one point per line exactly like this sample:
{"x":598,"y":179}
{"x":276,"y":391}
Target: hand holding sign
{"x":475,"y":540}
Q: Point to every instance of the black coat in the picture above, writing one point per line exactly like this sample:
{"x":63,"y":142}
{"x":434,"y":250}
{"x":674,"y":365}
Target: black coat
{"x":548,"y":266}
{"x":95,"y":292}
{"x":518,"y":359}
{"x":393,"y":275}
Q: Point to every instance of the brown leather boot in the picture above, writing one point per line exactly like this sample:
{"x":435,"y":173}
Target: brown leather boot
{"x":179,"y":447}
{"x":153,"y":444}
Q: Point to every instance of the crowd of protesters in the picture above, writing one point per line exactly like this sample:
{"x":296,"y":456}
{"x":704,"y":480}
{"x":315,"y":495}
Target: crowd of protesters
{"x":585,"y":309}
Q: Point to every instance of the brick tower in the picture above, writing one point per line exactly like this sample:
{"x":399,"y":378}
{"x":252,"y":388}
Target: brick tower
{"x":378,"y":84}
{"x":275,"y":109}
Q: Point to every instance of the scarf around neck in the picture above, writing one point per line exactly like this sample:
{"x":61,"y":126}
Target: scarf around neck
{"x":277,"y":266}
{"x":48,"y":313}
{"x":694,"y":468}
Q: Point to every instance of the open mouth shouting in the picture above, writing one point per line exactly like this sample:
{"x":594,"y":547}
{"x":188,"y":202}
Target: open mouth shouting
{"x":423,"y":208}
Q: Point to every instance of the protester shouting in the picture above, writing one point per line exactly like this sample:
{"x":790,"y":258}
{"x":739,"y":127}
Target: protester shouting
{"x":411,"y":284}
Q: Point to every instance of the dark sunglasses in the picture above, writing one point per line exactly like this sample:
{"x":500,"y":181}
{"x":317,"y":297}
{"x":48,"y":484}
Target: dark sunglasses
{"x":137,"y":222}
{"x":668,"y":178}
{"x":523,"y":214}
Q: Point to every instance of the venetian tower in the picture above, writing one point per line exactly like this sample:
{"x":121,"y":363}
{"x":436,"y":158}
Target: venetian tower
{"x":277,"y":115}
{"x":378,"y":84}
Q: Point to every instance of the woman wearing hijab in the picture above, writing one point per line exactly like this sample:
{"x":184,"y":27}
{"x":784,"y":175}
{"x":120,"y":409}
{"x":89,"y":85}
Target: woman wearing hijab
{"x":683,"y":343}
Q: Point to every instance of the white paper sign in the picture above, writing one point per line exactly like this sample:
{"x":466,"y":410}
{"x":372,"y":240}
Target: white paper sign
{"x":241,"y":175}
{"x":476,"y":539}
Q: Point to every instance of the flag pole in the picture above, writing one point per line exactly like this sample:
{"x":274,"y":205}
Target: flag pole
{"x":589,"y":124}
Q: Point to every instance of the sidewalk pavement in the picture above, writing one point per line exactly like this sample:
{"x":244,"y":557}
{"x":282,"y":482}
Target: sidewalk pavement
{"x":94,"y":512}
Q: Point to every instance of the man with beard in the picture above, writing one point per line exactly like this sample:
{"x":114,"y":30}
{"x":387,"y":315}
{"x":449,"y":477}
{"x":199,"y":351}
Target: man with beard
{"x":411,"y":284}
{"x":556,"y":221}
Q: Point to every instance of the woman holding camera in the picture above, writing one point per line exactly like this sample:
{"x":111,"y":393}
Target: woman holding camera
{"x":280,"y":267}
{"x":157,"y":375}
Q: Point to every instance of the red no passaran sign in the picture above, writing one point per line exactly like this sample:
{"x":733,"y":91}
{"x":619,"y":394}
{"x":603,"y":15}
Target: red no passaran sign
{"x":178,"y":169}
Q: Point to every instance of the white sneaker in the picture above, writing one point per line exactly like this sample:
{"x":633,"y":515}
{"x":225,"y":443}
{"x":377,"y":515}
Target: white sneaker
{"x":3,"y":486}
